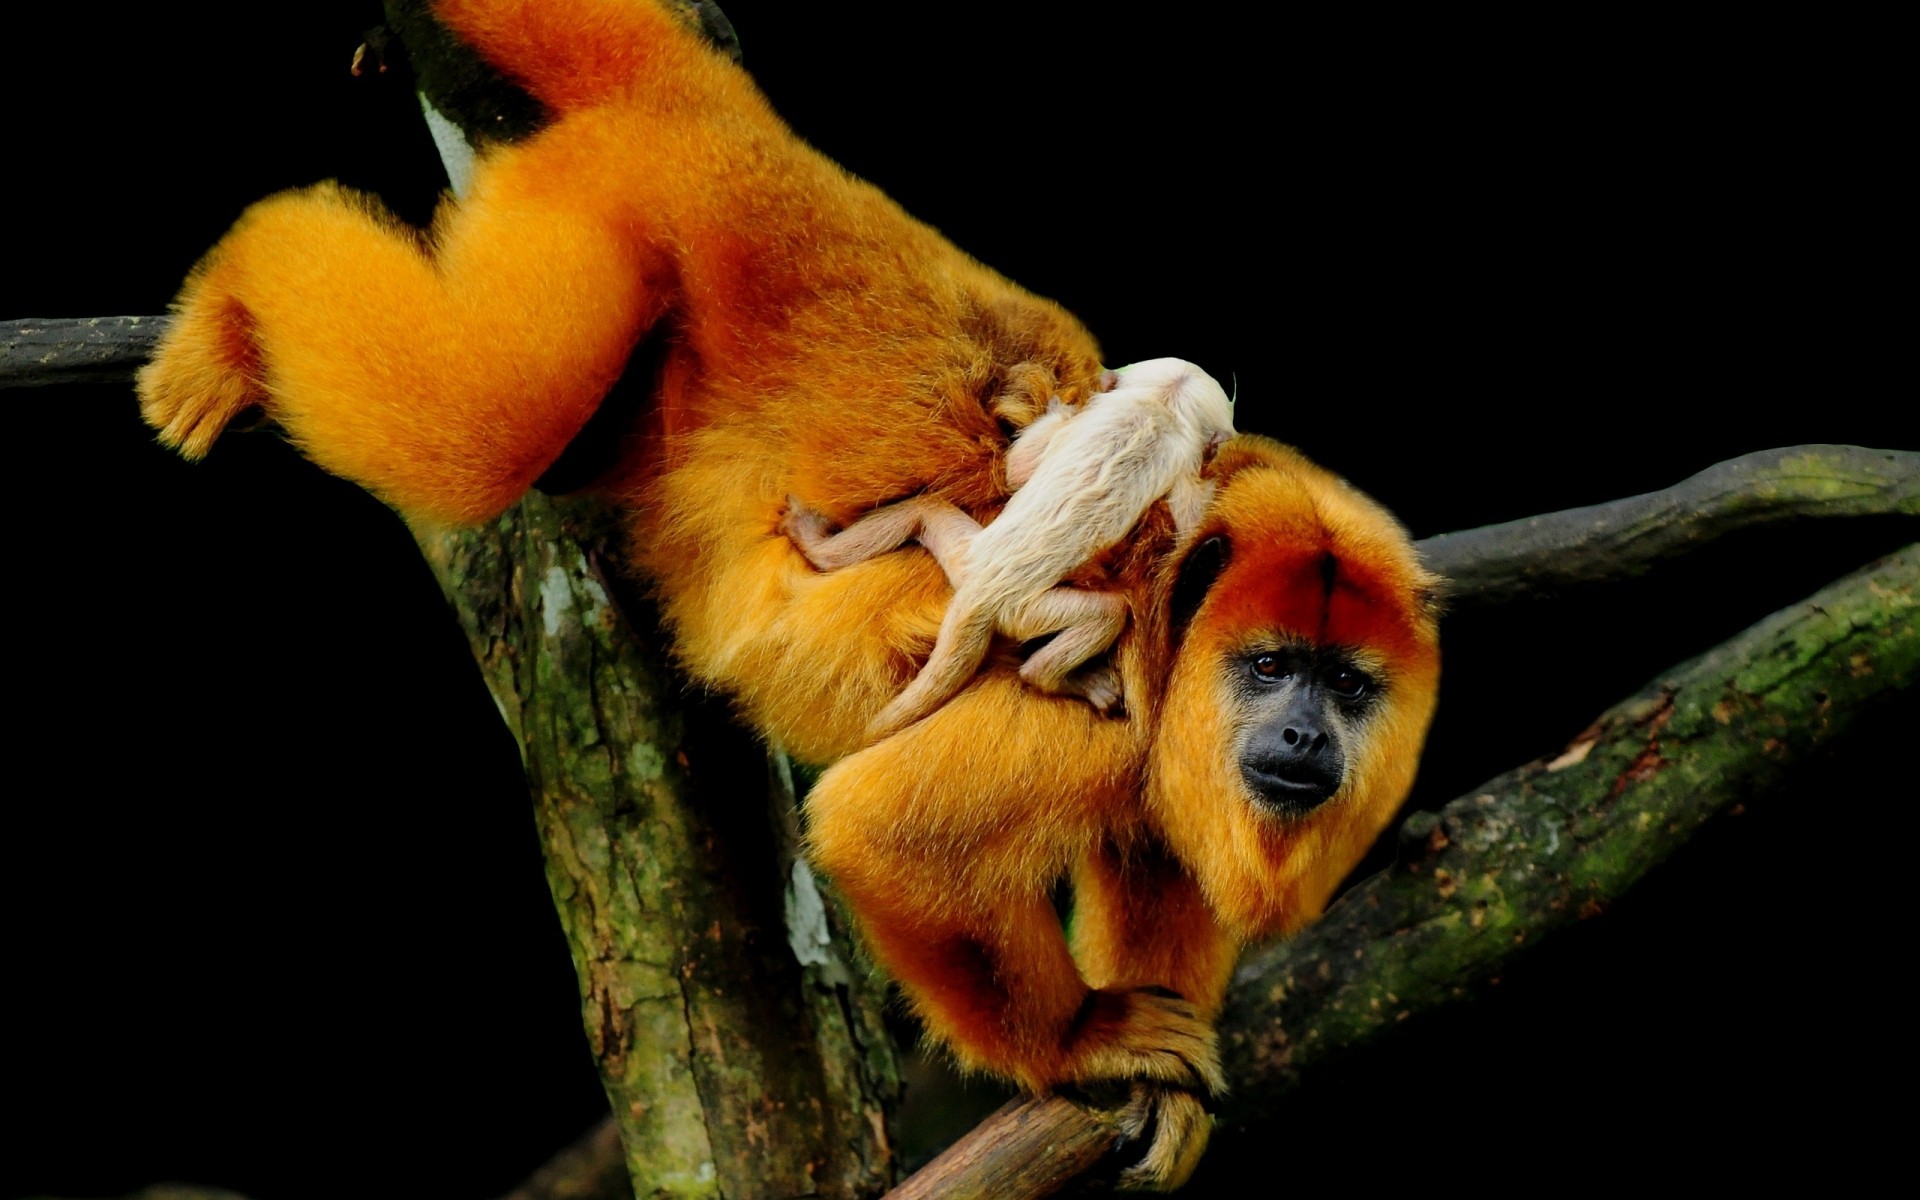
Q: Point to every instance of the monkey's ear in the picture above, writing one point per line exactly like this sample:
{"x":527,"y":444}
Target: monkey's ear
{"x":1430,"y":595}
{"x":1194,"y":579}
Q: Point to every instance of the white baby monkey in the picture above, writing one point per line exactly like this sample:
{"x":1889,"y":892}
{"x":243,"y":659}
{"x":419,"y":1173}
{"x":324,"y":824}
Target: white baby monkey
{"x":1082,"y":478}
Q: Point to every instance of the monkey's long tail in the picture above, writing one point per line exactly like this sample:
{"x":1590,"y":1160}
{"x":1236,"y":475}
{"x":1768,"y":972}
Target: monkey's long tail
{"x":965,"y":634}
{"x":574,"y":54}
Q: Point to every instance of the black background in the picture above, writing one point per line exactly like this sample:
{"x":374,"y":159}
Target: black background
{"x":271,"y":904}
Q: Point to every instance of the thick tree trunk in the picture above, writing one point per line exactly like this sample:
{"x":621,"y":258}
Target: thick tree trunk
{"x":742,"y":1052}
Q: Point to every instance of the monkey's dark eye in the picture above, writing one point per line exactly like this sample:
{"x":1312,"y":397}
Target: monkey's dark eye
{"x":1348,"y":684}
{"x":1269,"y":667}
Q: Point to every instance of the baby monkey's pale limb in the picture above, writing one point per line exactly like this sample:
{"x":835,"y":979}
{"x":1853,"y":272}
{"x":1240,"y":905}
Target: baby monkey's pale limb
{"x":944,"y":530}
{"x":1088,"y":622}
{"x":1085,"y":622}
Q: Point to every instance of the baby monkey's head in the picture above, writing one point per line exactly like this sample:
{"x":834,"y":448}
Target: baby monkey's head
{"x":1194,"y":397}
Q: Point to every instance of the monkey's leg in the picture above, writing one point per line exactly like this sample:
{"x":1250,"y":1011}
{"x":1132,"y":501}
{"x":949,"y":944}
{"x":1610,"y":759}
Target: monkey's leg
{"x":1139,"y":920}
{"x":943,"y":529}
{"x":1088,"y":622}
{"x":445,"y":374}
{"x":990,"y":976}
{"x":946,"y":851}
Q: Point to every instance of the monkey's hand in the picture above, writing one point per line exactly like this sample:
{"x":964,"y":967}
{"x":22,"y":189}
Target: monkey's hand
{"x":1169,"y":1054}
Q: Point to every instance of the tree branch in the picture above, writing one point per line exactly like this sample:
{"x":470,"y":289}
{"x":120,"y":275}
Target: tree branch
{"x":1030,"y":1146}
{"x":1275,"y":1044}
{"x":1489,"y":876}
{"x":37,"y":352}
{"x":1623,"y":538}
{"x":1490,"y":565}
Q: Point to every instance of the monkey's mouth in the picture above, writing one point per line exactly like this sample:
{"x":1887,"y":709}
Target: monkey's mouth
{"x":1291,"y":790}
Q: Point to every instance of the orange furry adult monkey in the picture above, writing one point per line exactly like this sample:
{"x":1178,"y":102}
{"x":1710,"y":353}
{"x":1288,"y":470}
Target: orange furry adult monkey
{"x":1084,"y":478}
{"x":818,"y":343}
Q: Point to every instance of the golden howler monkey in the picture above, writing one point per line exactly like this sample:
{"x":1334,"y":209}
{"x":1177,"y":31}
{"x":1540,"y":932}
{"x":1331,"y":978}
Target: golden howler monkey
{"x":1279,"y":661}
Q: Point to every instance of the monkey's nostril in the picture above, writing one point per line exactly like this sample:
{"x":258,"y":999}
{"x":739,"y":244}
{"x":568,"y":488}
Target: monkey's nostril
{"x":1289,"y":736}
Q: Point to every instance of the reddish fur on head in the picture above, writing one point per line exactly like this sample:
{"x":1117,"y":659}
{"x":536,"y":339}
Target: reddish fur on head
{"x":1307,"y":560}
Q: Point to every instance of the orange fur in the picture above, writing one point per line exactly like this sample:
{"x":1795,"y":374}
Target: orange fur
{"x":826,"y":346}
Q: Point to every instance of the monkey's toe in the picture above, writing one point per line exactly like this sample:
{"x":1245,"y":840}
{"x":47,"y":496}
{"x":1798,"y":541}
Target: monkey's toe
{"x":1174,"y":1126}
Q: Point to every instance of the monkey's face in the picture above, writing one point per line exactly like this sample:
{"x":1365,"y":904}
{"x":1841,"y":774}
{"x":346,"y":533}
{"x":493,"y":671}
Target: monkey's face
{"x":1304,"y":678}
{"x":1301,"y":705}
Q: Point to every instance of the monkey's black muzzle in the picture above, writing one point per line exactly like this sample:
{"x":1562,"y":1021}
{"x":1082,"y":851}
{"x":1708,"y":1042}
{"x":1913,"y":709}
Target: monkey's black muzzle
{"x":1292,"y":764}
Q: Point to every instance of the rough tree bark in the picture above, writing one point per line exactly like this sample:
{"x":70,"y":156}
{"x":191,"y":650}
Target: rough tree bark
{"x":742,"y":1053}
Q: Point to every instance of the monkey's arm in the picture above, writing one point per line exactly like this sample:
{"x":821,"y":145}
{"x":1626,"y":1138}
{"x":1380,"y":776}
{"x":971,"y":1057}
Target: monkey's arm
{"x":407,"y":364}
{"x":1139,"y":921}
{"x":948,"y":854}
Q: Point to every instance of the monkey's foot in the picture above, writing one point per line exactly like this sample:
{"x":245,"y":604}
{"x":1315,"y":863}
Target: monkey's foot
{"x":1099,"y":686}
{"x":202,"y":376}
{"x":1175,"y":1126}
